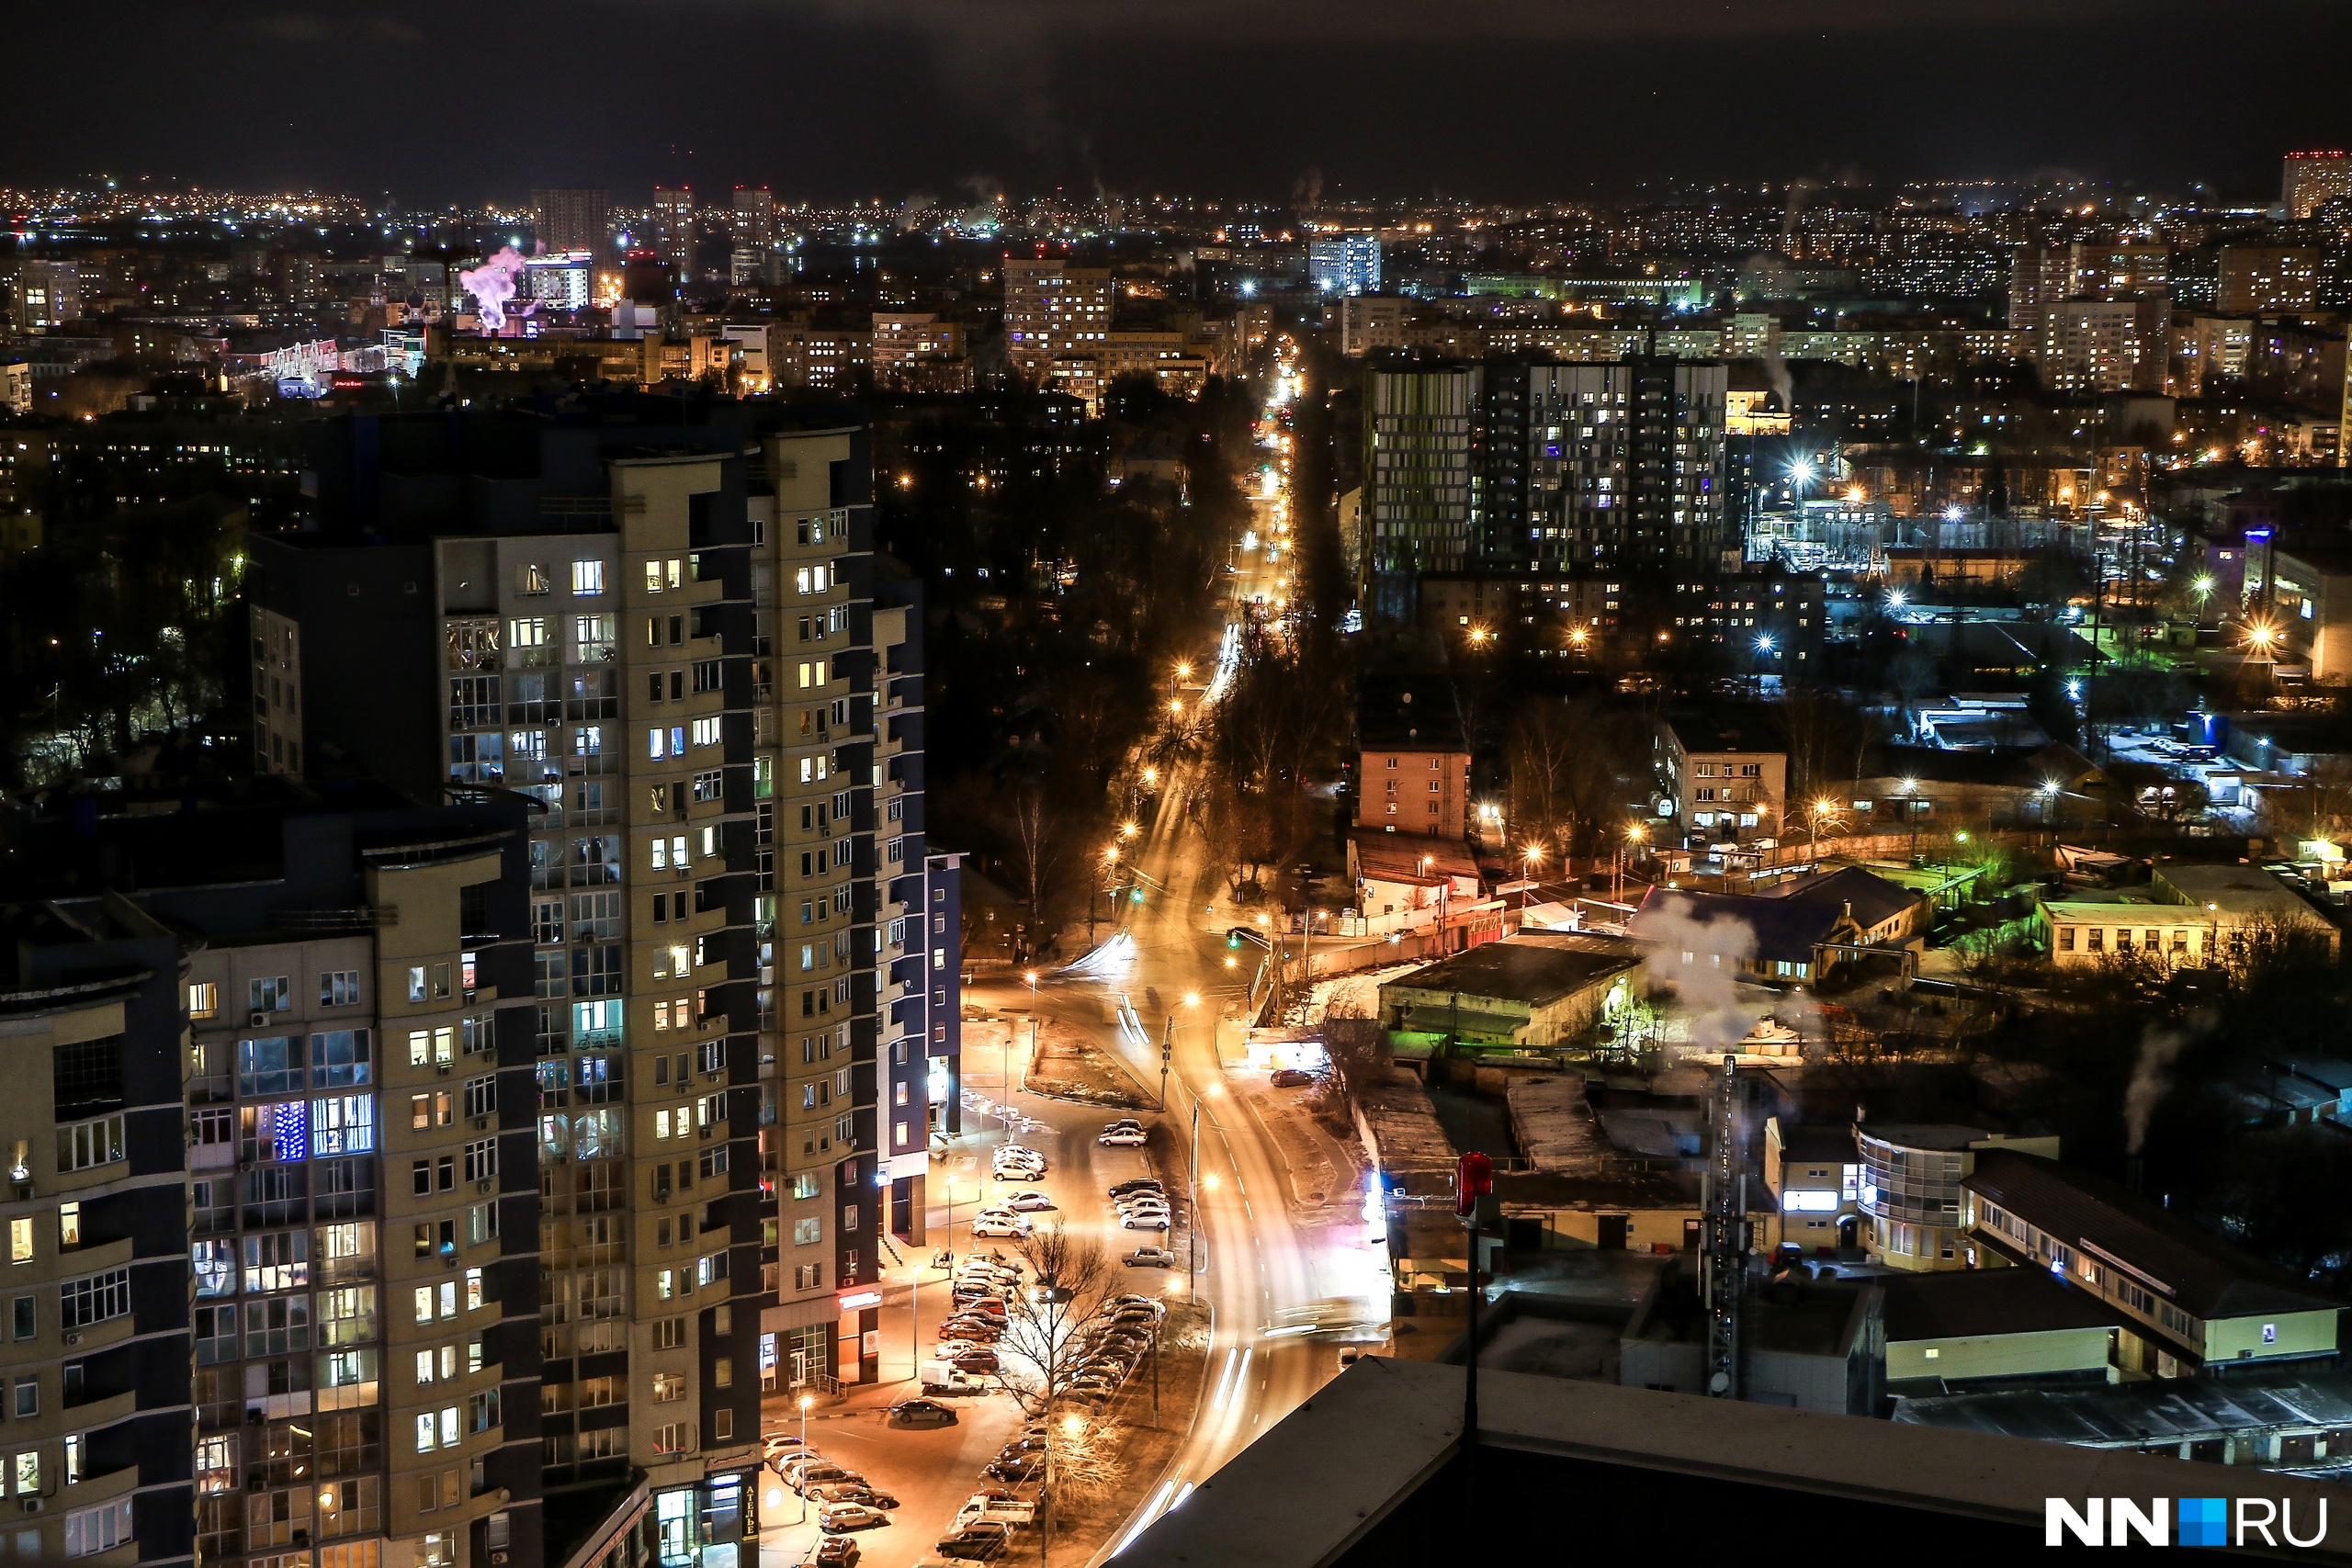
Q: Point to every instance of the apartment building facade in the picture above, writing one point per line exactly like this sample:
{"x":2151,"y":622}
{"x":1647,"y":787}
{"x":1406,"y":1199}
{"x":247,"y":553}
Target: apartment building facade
{"x":1053,"y":310}
{"x":96,"y":1357}
{"x":676,"y":661}
{"x":330,"y":996}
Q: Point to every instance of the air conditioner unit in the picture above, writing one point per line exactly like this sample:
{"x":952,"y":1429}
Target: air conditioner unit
{"x":480,"y":1124}
{"x":72,"y":1338}
{"x":35,"y":1505}
{"x":485,"y":1184}
{"x":257,"y":1019}
{"x":441,"y":1067}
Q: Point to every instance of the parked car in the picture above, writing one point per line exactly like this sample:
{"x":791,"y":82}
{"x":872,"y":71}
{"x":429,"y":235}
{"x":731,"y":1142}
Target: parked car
{"x":1291,"y":1077}
{"x":975,"y":1541}
{"x":977,"y":1361}
{"x":1019,"y":1468}
{"x":835,"y":1517}
{"x":1000,"y":1224}
{"x":974,"y":1330}
{"x":852,"y":1491}
{"x":1145,"y":1220}
{"x":993,"y":1506}
{"x":796,"y":1466}
{"x":833,"y":1551}
{"x":922,"y":1413}
{"x":1028,"y":1203}
{"x":1136,"y":1184}
{"x":1142,"y":1203}
{"x":1115,"y":1125}
{"x":1124,"y":1138}
{"x":1151,"y":1258}
{"x":805,"y":1482}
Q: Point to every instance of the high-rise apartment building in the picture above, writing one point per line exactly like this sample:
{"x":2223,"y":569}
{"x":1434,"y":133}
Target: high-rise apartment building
{"x":2091,"y":347}
{"x":1616,"y":467}
{"x":1053,"y":310}
{"x":2251,"y":278}
{"x":919,"y":351}
{"x":1626,"y":469}
{"x":573,"y":218}
{"x":1370,"y":322}
{"x":671,"y":639}
{"x":1345,"y":263}
{"x":674,"y":230}
{"x":2308,"y":181}
{"x":315,"y":1066}
{"x":48,"y":293}
{"x":2041,"y":275}
{"x":1419,"y":424}
{"x":751,"y":227}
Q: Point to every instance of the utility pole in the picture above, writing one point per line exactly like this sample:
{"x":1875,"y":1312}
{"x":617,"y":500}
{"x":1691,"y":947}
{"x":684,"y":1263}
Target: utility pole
{"x":1726,"y":1254}
{"x":1473,"y":1178}
{"x":1192,"y":1207}
{"x":1166,"y":1046}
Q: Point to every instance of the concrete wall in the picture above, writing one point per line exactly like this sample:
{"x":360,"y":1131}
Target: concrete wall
{"x":1961,"y":1358}
{"x":2299,"y":1333}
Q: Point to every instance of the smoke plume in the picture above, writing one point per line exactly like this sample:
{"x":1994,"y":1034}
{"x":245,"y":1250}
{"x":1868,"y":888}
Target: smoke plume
{"x":1698,"y":961}
{"x":492,"y":287}
{"x":2151,"y":1081}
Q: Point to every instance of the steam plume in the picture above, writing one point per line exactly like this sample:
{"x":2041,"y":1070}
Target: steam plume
{"x":492,"y":287}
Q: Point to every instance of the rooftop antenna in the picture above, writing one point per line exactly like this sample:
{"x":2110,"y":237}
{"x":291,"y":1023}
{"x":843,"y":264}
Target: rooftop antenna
{"x":1726,"y":1240}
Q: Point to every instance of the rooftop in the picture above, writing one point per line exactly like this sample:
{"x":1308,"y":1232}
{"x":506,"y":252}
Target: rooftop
{"x":1784,"y":929}
{"x":1966,"y":1302}
{"x":2170,"y":1410}
{"x":1872,"y":897}
{"x":1370,"y":1472}
{"x":1537,"y":970}
{"x":2200,"y":1272}
{"x":2239,"y":889}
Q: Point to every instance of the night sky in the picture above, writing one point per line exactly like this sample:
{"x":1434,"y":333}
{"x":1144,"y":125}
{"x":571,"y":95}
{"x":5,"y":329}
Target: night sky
{"x":1491,"y":99}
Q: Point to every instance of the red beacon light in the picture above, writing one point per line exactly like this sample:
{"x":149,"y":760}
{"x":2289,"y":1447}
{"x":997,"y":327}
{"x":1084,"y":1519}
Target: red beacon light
{"x":1473,"y":1180}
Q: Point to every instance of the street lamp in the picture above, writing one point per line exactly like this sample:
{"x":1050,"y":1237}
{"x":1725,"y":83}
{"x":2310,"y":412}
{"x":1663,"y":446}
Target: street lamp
{"x":806,"y":1400}
{"x":1532,"y":857}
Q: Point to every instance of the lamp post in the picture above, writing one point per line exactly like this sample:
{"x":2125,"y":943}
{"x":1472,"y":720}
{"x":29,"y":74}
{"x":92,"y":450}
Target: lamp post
{"x":806,"y":1400}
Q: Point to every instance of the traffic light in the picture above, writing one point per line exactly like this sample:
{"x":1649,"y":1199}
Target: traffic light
{"x":1136,"y":896}
{"x":1233,"y":939}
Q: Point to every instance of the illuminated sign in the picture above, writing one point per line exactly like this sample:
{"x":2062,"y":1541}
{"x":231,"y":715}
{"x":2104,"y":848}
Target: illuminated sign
{"x":858,"y":1299}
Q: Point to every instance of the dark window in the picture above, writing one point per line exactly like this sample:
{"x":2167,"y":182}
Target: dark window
{"x":473,"y":910}
{"x":88,"y":1076}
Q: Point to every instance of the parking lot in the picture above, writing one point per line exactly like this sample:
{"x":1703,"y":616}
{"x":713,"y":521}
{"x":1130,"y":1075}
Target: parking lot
{"x":931,"y":1472}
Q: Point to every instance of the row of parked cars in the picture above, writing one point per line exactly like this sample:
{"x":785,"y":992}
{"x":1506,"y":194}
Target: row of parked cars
{"x":1109,"y":1346}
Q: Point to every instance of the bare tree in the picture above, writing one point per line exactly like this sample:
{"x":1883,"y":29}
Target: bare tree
{"x":1039,"y":1356}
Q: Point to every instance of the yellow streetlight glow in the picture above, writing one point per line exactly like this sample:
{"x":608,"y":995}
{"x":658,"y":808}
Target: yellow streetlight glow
{"x":1128,"y":829}
{"x":1192,"y":998}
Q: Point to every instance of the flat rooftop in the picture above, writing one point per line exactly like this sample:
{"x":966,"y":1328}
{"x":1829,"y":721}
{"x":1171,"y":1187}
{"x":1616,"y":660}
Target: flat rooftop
{"x":1372,"y":1472}
{"x":1537,"y":970}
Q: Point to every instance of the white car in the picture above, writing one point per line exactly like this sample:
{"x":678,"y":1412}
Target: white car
{"x":1029,"y":1202}
{"x":1123,"y":1138}
{"x":1130,"y":1205}
{"x":1014,"y":1225}
{"x":1145,"y":1220}
{"x":1151,"y":1258}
